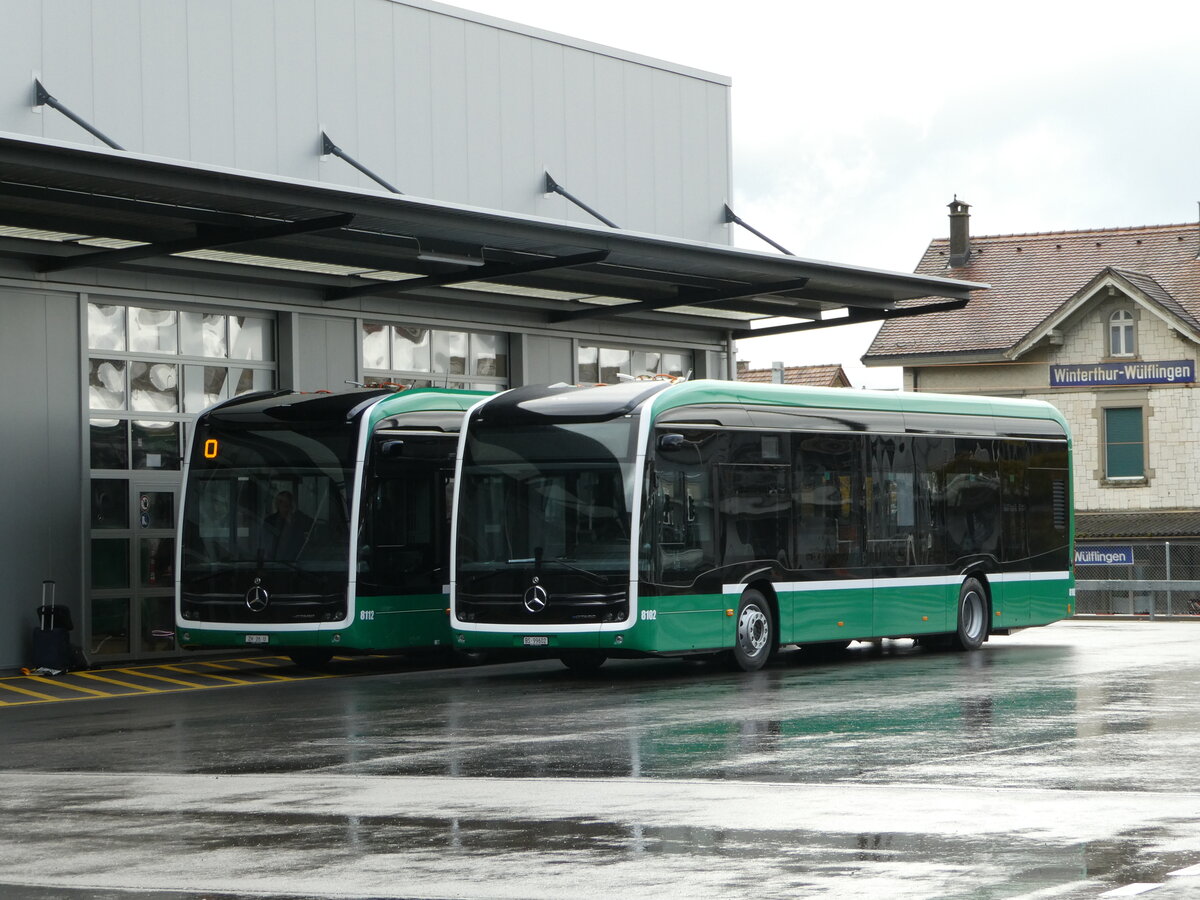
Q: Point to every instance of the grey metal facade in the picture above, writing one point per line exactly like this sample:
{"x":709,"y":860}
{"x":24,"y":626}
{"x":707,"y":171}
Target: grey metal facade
{"x":440,"y":102}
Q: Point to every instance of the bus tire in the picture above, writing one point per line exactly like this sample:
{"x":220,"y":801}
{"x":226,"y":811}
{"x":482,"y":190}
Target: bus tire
{"x":972,"y":616}
{"x":310,"y":657}
{"x":754,"y":634}
{"x":583,"y":662}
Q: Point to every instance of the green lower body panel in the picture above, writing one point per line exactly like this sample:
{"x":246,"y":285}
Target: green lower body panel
{"x":679,"y":624}
{"x":1050,"y":601}
{"x":808,"y":613}
{"x":380,"y":624}
{"x":827,"y":613}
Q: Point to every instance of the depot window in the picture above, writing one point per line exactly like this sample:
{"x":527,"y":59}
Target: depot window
{"x":415,"y":356}
{"x":602,"y":365}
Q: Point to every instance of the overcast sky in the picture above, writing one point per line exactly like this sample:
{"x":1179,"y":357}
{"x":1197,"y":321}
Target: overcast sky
{"x":854,"y":124}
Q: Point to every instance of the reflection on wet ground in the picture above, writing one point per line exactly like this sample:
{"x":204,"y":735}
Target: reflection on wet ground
{"x":1057,"y":761}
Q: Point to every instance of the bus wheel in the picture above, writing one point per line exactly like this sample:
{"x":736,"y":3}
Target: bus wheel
{"x":310,"y":657}
{"x":754,"y":640}
{"x":582,"y":662}
{"x":972,"y":616}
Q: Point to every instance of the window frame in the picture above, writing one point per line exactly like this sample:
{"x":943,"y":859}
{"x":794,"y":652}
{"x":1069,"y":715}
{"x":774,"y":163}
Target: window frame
{"x":1122,"y":334}
{"x":437,"y":342}
{"x":631,"y":354}
{"x":1106,"y":444}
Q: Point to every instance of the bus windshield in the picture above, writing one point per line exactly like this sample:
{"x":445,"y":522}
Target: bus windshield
{"x":267,"y":499}
{"x":552,"y":495}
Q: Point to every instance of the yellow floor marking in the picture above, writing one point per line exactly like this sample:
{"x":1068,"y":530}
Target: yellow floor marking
{"x":275,"y":677}
{"x":189,"y":684}
{"x":69,"y":687}
{"x":206,"y":675}
{"x":217,"y":665}
{"x":21,"y":690}
{"x":136,"y":687}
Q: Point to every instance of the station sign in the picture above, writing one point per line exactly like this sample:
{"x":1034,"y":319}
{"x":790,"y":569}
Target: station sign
{"x":1173,"y":371}
{"x":1104,"y":556}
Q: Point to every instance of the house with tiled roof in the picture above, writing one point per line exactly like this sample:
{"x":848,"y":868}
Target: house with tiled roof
{"x":832,"y":375}
{"x":1102,"y":323}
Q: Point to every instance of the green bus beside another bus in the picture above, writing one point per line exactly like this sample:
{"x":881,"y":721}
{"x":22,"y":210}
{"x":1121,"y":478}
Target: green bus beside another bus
{"x":318,"y":523}
{"x":671,"y":519}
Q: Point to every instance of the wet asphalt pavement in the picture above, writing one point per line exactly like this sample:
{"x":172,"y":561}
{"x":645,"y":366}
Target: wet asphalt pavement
{"x":1056,"y":763}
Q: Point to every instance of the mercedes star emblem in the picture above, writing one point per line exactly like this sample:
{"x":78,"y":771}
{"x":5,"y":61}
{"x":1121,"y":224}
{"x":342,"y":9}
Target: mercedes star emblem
{"x":257,"y":597}
{"x":536,"y":599}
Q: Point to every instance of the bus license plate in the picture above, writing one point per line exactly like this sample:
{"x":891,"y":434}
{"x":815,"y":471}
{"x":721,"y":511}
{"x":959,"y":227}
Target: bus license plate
{"x":539,"y":641}
{"x":257,"y":639}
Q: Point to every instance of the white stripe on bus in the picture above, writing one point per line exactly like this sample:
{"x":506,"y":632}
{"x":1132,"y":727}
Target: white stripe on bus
{"x":852,"y":584}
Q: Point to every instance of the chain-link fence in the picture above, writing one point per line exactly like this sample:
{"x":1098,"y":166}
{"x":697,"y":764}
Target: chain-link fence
{"x":1138,"y":580}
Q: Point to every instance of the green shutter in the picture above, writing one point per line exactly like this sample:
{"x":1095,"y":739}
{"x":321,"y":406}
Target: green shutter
{"x":1123,"y":443}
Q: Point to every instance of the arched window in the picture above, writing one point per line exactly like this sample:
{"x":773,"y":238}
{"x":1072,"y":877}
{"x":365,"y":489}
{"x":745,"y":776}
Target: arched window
{"x":1120,"y":333}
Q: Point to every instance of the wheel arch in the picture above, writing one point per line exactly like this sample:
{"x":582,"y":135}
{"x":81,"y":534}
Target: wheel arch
{"x":986,"y":583}
{"x":767,"y":589}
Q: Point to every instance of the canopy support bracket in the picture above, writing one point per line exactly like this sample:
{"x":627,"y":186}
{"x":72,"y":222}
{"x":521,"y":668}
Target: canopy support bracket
{"x":43,"y":97}
{"x":553,"y":187}
{"x":329,"y":148}
{"x":734,"y":218}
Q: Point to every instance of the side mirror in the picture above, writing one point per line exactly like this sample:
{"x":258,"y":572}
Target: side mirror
{"x":669,"y":442}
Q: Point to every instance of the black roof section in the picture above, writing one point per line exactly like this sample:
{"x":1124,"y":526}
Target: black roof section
{"x":567,"y":403}
{"x":293,"y":407}
{"x":65,"y":206}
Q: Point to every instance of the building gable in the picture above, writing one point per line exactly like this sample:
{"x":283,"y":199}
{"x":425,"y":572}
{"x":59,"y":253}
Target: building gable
{"x":1133,"y":288}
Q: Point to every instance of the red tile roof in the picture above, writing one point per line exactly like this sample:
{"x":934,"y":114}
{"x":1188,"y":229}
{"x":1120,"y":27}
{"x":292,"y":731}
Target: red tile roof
{"x":813,"y":376}
{"x":1032,"y":275}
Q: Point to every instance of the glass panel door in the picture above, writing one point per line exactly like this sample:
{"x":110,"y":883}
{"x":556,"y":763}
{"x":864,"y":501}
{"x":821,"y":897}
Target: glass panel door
{"x":155,"y":506}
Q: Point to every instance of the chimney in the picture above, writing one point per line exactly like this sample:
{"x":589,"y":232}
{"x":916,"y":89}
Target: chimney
{"x":960,"y":233}
{"x":778,"y":373}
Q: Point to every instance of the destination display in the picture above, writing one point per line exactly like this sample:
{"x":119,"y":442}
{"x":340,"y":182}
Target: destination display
{"x":1174,"y":371}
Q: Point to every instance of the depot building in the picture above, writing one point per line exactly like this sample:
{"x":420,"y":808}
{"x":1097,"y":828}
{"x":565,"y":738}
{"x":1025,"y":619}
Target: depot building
{"x":202,"y":200}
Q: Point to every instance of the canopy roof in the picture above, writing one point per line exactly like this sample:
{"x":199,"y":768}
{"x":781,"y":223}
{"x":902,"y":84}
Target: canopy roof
{"x":65,"y":206}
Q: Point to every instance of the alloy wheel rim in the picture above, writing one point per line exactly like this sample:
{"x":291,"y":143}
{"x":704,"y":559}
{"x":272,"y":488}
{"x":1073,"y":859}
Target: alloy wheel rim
{"x":752,"y":630}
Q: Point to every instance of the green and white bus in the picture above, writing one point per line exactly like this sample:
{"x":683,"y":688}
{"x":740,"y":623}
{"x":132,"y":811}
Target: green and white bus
{"x":319,"y":523}
{"x":660,"y":519}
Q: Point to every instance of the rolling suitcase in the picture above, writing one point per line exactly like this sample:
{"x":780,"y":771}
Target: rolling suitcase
{"x":51,"y":639}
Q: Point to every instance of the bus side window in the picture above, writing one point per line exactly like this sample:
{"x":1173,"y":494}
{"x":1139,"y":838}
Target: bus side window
{"x":891,"y":501}
{"x":755,"y":510}
{"x":1014,"y":493}
{"x":931,"y":457}
{"x":685,"y":547}
{"x":973,"y":511}
{"x":401,"y":550}
{"x":828,"y":513}
{"x":1049,"y":507}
